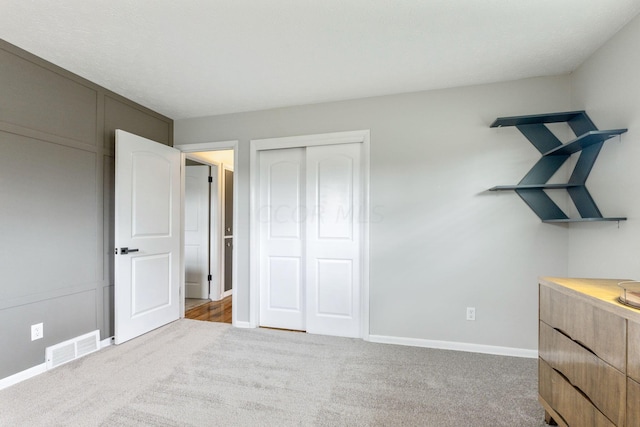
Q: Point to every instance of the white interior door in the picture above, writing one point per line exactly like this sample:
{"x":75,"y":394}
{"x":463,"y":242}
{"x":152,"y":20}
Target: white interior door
{"x":281,"y":239}
{"x":333,"y":240}
{"x":147,"y":223}
{"x":196,"y":231}
{"x":310,"y":239}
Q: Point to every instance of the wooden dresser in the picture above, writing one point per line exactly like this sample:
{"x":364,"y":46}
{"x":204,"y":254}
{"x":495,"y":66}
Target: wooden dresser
{"x":589,"y":354}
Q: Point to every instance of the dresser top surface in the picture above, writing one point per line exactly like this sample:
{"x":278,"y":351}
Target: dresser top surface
{"x":602,"y":292}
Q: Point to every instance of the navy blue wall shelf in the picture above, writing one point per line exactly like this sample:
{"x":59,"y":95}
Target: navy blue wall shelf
{"x":588,"y":142}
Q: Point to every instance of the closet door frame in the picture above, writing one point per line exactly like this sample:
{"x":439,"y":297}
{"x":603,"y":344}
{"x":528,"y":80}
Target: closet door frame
{"x":257,"y":145}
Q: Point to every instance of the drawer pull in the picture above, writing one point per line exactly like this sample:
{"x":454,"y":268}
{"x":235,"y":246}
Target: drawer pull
{"x":586,"y":348}
{"x":560,"y":331}
{"x":582,"y":393}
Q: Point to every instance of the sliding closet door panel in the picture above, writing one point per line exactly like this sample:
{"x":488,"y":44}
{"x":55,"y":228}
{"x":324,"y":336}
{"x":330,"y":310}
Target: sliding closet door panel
{"x":281,"y":239}
{"x":333,"y":240}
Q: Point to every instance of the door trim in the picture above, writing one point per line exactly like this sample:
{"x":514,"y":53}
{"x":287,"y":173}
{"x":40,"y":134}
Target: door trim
{"x":215,"y":146}
{"x":222,"y":197}
{"x":350,"y":137}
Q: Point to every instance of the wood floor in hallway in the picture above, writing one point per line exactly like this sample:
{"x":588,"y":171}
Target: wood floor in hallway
{"x":213,"y":311}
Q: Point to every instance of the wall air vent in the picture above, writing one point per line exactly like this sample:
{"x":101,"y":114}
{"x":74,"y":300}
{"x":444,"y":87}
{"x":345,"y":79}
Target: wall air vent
{"x":72,"y":349}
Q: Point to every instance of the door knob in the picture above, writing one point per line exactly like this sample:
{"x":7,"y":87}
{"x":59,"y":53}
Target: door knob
{"x":124,"y":251}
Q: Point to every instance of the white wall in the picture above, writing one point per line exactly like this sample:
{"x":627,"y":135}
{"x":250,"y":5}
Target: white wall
{"x":607,"y":86}
{"x":221,"y":156}
{"x":439,"y":241}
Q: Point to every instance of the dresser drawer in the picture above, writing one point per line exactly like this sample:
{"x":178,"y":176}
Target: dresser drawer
{"x":603,"y":384}
{"x":633,"y":403}
{"x":633,"y":343}
{"x":602,"y":332}
{"x":567,"y":402}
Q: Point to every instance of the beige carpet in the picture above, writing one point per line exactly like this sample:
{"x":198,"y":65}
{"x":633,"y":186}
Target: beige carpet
{"x":194,"y":373}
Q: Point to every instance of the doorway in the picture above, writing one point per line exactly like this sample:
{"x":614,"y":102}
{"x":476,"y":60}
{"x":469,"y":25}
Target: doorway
{"x":208,"y":226}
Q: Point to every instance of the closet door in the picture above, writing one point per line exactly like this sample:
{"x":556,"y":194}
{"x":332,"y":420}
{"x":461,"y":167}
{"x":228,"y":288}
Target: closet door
{"x":333,"y":240}
{"x":281,"y":238}
{"x":310,"y":239}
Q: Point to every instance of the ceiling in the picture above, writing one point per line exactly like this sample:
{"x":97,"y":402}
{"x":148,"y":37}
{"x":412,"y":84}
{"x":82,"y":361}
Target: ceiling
{"x":192,"y":58}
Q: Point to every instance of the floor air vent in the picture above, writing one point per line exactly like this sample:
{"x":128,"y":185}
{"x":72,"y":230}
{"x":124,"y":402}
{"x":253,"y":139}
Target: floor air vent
{"x":72,"y":349}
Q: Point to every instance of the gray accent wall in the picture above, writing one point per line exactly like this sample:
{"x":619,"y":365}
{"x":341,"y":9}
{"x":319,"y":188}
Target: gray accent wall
{"x":439,"y":242}
{"x":57,"y":134}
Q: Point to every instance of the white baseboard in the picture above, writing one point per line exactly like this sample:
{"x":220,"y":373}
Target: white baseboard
{"x":458,"y":346}
{"x":106,"y":342}
{"x":239,"y":324}
{"x":39,"y":369}
{"x":21,"y":376}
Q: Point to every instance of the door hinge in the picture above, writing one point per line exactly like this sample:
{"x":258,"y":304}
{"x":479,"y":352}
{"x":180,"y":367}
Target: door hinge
{"x":209,"y":278}
{"x":210,"y":179}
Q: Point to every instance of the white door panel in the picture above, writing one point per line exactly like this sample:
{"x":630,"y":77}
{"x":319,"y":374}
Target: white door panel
{"x":192,"y":277}
{"x":150,"y":288}
{"x":333,"y":240}
{"x":285,"y":275}
{"x":281,"y":232}
{"x":196,"y":234}
{"x":147,"y":219}
{"x":334,"y":281}
{"x":283,"y":197}
{"x":333,"y":188}
{"x":151,"y":175}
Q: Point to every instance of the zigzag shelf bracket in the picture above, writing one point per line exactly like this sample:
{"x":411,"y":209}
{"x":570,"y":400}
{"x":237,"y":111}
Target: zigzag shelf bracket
{"x":588,"y":141}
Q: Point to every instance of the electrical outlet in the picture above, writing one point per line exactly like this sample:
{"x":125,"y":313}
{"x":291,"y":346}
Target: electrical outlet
{"x":37,"y":331}
{"x":471,"y":313}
